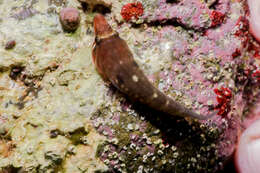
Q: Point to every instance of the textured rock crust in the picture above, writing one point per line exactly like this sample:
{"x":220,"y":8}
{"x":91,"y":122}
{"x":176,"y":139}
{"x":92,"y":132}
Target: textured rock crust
{"x":58,"y":115}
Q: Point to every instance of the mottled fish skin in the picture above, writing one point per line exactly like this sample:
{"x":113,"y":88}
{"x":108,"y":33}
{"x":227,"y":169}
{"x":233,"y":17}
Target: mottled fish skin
{"x":115,"y":63}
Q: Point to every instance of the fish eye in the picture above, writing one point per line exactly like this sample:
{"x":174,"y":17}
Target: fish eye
{"x":97,"y":40}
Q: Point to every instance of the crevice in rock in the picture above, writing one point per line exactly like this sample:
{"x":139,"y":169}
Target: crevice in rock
{"x":101,"y":9}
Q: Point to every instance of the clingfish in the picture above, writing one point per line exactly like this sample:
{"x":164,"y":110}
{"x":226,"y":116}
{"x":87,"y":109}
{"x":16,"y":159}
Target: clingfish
{"x":116,"y":65}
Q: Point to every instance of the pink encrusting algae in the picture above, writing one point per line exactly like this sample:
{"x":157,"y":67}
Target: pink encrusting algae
{"x":198,"y":52}
{"x":217,"y":18}
{"x":207,"y":51}
{"x":190,"y":13}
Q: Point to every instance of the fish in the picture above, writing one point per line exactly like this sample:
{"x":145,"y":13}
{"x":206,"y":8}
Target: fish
{"x":115,"y":63}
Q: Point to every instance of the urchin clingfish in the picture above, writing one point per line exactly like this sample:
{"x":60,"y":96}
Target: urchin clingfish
{"x":115,"y":63}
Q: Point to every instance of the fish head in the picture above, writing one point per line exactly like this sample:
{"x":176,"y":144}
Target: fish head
{"x":101,"y":27}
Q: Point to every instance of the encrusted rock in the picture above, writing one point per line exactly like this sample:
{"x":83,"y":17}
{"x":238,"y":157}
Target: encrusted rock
{"x":70,"y":19}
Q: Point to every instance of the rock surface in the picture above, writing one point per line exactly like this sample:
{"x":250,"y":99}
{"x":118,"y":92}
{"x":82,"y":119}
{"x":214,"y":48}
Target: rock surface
{"x":58,"y":115}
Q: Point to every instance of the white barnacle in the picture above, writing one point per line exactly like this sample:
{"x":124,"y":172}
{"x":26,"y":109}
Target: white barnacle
{"x":135,"y":78}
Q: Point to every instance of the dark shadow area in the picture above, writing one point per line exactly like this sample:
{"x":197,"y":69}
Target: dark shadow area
{"x":101,"y":9}
{"x":213,"y":5}
{"x":172,"y":1}
{"x":11,"y":169}
{"x":175,"y":130}
{"x":84,"y":6}
{"x":228,"y":165}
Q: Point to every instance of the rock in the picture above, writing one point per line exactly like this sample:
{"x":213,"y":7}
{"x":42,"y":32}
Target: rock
{"x":70,"y":19}
{"x":10,"y":44}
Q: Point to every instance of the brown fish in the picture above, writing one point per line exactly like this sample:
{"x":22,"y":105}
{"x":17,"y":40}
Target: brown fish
{"x":115,"y":63}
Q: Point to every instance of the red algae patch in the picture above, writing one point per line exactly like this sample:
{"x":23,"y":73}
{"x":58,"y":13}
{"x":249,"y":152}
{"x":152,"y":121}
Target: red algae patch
{"x":193,"y":14}
{"x":131,"y":10}
{"x":223,"y":98}
{"x":254,"y":24}
{"x":216,"y":18}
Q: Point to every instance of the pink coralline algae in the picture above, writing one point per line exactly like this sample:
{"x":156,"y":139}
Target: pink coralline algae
{"x":193,"y":14}
{"x":198,"y":63}
{"x":24,"y":13}
{"x":223,"y":98}
{"x":131,"y":10}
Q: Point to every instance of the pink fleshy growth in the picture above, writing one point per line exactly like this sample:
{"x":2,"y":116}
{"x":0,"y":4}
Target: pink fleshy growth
{"x":254,"y":7}
{"x":247,"y":156}
{"x":197,"y":72}
{"x":230,"y":133}
{"x":223,"y":98}
{"x":106,"y":129}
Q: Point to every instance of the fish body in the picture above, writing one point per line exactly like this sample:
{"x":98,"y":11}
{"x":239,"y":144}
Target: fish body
{"x":115,"y":63}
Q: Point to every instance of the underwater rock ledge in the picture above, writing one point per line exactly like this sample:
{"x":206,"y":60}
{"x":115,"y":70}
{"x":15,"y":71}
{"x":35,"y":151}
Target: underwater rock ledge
{"x":58,"y":115}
